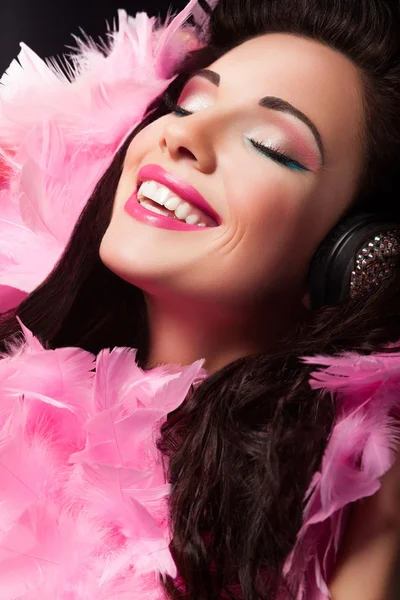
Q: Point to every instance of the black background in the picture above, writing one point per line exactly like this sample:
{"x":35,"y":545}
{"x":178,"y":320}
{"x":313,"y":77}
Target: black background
{"x":46,"y":25}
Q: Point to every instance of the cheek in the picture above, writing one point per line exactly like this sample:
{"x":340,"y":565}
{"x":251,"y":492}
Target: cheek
{"x":141,"y":146}
{"x":266,"y":204}
{"x":143,"y":143}
{"x":270,"y":216}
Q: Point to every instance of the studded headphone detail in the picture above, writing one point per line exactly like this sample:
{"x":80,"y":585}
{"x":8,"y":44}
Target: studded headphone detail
{"x":354,"y":258}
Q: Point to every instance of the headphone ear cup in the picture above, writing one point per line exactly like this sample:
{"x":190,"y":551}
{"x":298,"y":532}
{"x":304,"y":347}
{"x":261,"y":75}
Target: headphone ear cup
{"x":318,"y":275}
{"x":332,"y":264}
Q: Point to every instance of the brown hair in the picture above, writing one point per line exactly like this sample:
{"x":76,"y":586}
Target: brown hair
{"x":244,"y":445}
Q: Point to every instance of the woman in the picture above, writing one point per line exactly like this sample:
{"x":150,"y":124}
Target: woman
{"x":197,"y":243}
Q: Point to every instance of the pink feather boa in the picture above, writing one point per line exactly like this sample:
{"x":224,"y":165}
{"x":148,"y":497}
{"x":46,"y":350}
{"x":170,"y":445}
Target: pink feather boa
{"x":361,"y":449}
{"x":83,"y":495}
{"x":83,"y":498}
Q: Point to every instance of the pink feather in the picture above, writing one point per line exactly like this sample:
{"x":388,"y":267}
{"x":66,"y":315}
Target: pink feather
{"x":361,"y":449}
{"x":80,"y":475}
{"x":83,"y":496}
{"x":57,"y":151}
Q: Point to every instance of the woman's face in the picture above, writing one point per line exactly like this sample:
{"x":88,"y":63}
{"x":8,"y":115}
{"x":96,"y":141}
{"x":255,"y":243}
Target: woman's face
{"x":274,"y":146}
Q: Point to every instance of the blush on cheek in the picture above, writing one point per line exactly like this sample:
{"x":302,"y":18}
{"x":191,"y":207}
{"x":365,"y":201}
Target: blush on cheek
{"x":272,"y":203}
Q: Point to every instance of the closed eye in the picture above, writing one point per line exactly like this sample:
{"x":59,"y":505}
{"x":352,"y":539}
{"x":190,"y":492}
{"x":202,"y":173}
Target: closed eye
{"x":174,"y":107}
{"x":278,"y":156}
{"x":272,"y":153}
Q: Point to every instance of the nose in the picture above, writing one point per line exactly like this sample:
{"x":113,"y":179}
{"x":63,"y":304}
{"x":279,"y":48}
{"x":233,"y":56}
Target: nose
{"x":190,"y":139}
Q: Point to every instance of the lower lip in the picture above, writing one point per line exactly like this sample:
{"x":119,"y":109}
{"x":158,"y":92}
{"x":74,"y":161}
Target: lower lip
{"x":136,"y":210}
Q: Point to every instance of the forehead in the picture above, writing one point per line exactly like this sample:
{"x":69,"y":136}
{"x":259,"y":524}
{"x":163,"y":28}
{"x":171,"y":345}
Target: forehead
{"x":316,"y":79}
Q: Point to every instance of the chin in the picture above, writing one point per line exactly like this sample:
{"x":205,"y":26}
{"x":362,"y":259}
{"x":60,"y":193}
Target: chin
{"x":136,"y":273}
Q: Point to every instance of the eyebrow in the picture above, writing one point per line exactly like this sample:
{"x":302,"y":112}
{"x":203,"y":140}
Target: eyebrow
{"x":272,"y":103}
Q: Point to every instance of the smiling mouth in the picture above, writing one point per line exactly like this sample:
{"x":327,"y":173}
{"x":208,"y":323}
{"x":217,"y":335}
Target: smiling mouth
{"x":157,"y":198}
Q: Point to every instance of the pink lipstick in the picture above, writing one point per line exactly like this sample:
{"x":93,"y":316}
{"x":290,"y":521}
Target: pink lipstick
{"x":180,"y":188}
{"x":136,"y":210}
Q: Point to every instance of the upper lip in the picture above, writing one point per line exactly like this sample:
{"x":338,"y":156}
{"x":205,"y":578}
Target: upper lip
{"x":178,"y":186}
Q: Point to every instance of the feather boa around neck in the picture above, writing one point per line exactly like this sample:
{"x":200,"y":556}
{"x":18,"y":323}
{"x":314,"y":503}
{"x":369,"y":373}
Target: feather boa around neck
{"x":83,"y":498}
{"x":361,"y":449}
{"x":83,"y":495}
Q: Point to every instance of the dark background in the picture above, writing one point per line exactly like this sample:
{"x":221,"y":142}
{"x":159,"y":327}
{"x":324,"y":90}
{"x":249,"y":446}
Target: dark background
{"x":46,"y":25}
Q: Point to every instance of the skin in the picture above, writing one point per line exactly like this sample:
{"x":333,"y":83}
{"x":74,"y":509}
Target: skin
{"x":225,"y":292}
{"x":370,"y":546}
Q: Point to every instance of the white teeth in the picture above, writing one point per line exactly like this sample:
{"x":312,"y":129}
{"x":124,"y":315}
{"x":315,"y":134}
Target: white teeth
{"x":160,"y":194}
{"x":172,"y":203}
{"x":183,"y":211}
{"x":148,"y":189}
{"x":154,"y":191}
{"x":154,"y":209}
{"x":164,"y":197}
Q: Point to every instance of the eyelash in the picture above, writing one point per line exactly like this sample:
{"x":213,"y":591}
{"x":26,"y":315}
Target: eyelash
{"x":273,"y":153}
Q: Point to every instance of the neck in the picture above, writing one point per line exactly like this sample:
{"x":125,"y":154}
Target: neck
{"x":182,"y":333}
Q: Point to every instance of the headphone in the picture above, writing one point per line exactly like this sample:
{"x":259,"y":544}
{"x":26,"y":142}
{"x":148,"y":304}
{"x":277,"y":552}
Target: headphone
{"x":354,"y":258}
